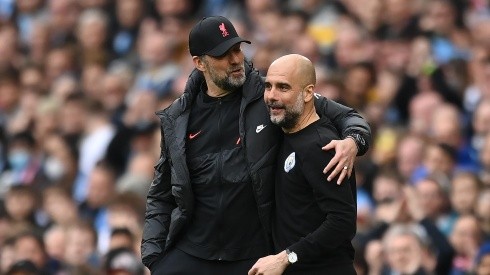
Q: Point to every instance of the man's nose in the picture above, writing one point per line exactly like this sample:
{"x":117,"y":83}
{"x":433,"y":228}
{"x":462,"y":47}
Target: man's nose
{"x":271,"y":94}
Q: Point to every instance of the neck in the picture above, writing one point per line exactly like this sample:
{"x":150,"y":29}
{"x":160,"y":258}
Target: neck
{"x":306,"y":119}
{"x":217,"y":93}
{"x":213,"y":90}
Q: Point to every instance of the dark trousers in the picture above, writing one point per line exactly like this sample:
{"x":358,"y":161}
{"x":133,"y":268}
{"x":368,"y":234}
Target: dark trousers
{"x":177,"y":262}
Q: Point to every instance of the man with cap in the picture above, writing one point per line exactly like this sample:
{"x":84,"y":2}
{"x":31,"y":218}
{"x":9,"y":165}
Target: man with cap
{"x":209,"y":205}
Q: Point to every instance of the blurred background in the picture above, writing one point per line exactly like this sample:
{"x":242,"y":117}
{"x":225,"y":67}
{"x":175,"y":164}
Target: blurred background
{"x":80,"y":81}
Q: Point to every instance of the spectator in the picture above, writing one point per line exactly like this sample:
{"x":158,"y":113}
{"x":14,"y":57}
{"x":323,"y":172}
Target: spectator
{"x":421,"y":109}
{"x":482,"y":263}
{"x":127,"y":211}
{"x":446,"y":127}
{"x":100,"y":190}
{"x":434,"y":200}
{"x":92,"y":74}
{"x":114,"y":89}
{"x":465,"y":187}
{"x":129,"y":15}
{"x":157,"y":69}
{"x":123,"y":261}
{"x":465,"y":238}
{"x":81,"y":245}
{"x":64,"y":86}
{"x":59,"y":207}
{"x":27,"y":13}
{"x":138,"y":175}
{"x":21,"y":204}
{"x":359,"y":85}
{"x":9,"y":95}
{"x":63,"y":14}
{"x":23,"y":267}
{"x":482,"y":212}
{"x":480,"y":124}
{"x":409,"y":155}
{"x":98,"y":133}
{"x":73,"y":118}
{"x":406,"y":248}
{"x":59,"y":61}
{"x":408,"y":210}
{"x":439,"y":159}
{"x":93,"y":36}
{"x":121,"y":238}
{"x":485,"y":161}
{"x":30,"y":246}
{"x":60,"y":161}
{"x":7,"y":257}
{"x":55,"y":242}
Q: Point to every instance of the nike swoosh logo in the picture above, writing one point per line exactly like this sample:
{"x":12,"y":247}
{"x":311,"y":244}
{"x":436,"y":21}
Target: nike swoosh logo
{"x":260,"y":128}
{"x":192,"y":136}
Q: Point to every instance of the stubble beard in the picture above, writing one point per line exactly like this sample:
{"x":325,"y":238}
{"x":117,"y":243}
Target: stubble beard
{"x":291,"y":115}
{"x":227,"y":82}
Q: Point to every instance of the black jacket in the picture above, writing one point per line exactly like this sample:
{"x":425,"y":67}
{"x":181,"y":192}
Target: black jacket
{"x":170,"y":198}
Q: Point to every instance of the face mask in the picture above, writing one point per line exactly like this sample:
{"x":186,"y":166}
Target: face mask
{"x":54,"y":168}
{"x":18,"y":159}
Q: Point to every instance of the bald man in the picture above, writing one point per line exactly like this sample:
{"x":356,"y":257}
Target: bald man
{"x":314,"y":221}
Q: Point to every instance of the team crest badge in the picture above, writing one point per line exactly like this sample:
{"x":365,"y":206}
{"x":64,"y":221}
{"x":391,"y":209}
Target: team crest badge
{"x":290,"y":162}
{"x":224,"y":31}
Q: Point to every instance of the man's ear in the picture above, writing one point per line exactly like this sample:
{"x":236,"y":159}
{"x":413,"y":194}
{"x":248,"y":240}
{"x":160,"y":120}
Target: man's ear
{"x":309,"y":92}
{"x":199,"y":63}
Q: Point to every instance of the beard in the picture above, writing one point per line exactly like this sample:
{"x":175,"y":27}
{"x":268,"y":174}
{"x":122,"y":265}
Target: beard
{"x":291,"y":114}
{"x":226,"y":81}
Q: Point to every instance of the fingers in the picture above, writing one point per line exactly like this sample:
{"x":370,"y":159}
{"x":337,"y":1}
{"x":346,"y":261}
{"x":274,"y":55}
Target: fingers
{"x":342,"y":170}
{"x":252,"y":271}
{"x":334,"y":161}
{"x":343,"y":160}
{"x":330,"y":145}
{"x":343,"y":173}
{"x":349,"y":171}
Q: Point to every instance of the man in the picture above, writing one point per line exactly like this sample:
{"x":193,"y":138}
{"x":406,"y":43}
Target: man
{"x":406,"y":247}
{"x":209,"y":205}
{"x":314,"y":221}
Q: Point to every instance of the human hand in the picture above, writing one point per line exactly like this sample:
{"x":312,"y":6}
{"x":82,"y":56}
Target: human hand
{"x":345,"y":155}
{"x":270,"y":265}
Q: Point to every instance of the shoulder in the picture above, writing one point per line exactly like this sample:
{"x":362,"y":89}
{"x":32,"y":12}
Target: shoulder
{"x":177,"y":107}
{"x":253,"y":75}
{"x":326,"y":131}
{"x":308,"y":143}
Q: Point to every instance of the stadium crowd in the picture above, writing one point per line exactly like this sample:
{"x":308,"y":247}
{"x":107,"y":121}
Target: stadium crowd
{"x":80,"y":81}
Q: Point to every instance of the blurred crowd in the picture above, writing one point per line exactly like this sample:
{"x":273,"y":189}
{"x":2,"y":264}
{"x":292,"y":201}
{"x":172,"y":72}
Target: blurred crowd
{"x":80,"y":81}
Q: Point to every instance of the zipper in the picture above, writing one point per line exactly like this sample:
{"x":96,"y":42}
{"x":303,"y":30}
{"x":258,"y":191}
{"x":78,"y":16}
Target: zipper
{"x":220,"y":184}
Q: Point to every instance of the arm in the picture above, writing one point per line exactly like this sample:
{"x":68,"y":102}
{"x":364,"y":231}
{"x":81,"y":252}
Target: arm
{"x":354,"y":130}
{"x":339,"y":205}
{"x":159,"y":206}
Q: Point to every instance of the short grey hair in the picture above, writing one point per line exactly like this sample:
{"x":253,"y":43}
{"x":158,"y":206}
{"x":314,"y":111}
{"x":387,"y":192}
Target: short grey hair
{"x":413,"y":229}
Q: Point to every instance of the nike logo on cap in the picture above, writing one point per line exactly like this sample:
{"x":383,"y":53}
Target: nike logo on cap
{"x":192,"y":136}
{"x":260,"y":128}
